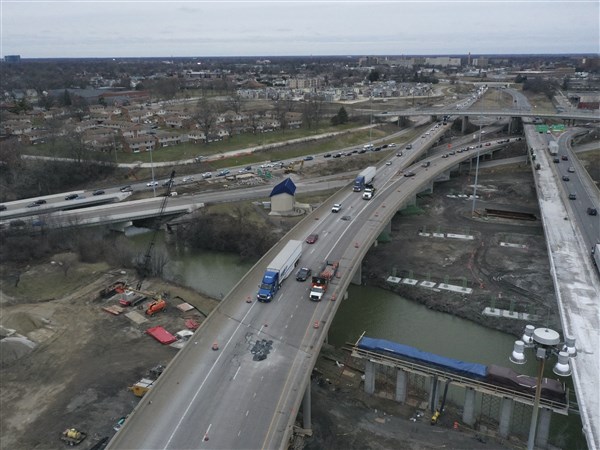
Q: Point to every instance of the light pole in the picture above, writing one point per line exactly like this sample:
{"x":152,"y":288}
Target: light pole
{"x":476,"y":171}
{"x":546,"y":343}
{"x":152,"y":169}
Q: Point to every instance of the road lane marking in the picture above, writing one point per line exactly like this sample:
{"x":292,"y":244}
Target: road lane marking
{"x":187,"y":409}
{"x":236,"y":372}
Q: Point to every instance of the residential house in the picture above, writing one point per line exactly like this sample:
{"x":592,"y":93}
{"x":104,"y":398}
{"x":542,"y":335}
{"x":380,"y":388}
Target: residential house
{"x":143,"y":143}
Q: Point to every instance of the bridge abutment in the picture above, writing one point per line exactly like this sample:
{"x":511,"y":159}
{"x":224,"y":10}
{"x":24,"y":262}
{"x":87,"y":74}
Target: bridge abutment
{"x":464,"y":124}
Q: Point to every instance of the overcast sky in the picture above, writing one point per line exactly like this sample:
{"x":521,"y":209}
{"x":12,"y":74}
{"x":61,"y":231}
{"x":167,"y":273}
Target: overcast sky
{"x":118,"y":28}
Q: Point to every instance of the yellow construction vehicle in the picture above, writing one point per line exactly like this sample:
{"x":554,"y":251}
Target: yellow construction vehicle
{"x":292,"y":167}
{"x":72,"y":436}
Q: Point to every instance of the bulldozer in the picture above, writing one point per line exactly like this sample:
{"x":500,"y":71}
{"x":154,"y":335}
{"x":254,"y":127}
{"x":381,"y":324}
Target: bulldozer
{"x":72,"y":436}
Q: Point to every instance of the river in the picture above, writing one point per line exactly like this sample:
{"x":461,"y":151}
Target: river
{"x":380,"y":314}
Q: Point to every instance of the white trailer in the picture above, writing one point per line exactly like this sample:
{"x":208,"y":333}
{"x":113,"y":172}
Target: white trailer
{"x":279,"y":269}
{"x":553,"y":148}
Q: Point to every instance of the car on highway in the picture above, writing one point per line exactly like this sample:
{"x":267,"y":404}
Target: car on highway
{"x":388,"y":163}
{"x":206,"y":175}
{"x":556,"y":160}
{"x":565,"y":178}
{"x":327,"y":155}
{"x":312,"y":238}
{"x":71,"y":197}
{"x":38,"y":202}
{"x":445,"y":155}
{"x":127,"y":188}
{"x":98,"y":192}
{"x":303,"y":274}
{"x":169,"y":182}
{"x":572,"y":196}
{"x":337,"y":207}
{"x":152,"y":183}
{"x":346,"y":218}
{"x":592,"y":211}
{"x":3,"y":208}
{"x":408,"y":147}
{"x":33,"y":205}
{"x":409,"y":174}
{"x":187,"y":179}
{"x":571,"y":169}
{"x":309,"y":158}
{"x":399,"y":154}
{"x":564,"y":157}
{"x":223,"y":172}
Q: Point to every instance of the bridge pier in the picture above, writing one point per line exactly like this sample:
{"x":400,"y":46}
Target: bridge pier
{"x":357,"y":277}
{"x":306,"y":408}
{"x":434,"y":390}
{"x":468,"y":416}
{"x":464,"y":124}
{"x":401,"y":385}
{"x":370,"y":377}
{"x":543,"y":428}
{"x":505,"y":417}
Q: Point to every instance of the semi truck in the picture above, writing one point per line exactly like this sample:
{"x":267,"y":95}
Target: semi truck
{"x":363,"y":178}
{"x":322,"y":280}
{"x":278,"y":270}
{"x":553,"y":148}
{"x":369,"y":192}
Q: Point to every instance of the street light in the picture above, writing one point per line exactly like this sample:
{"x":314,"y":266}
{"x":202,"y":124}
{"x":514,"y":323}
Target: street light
{"x":546,"y":342}
{"x":476,"y":170}
{"x":152,"y":169}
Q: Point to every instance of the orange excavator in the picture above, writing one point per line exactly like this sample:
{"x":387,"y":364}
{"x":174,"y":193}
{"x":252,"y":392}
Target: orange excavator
{"x":158,"y":303}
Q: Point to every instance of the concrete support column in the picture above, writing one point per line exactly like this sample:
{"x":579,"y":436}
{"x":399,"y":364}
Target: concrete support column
{"x":401,"y":385}
{"x":388,"y":228}
{"x":434,"y":390}
{"x":411,"y":201}
{"x":469,"y":407}
{"x":357,"y":277}
{"x":306,"y":412}
{"x":370,"y":377}
{"x":464,"y":124}
{"x":543,"y":428}
{"x":505,"y":417}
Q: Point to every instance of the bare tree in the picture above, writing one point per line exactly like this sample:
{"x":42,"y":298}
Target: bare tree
{"x":205,"y":116}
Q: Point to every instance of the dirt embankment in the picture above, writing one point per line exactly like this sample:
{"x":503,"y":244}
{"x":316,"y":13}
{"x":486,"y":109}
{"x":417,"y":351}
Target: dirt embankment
{"x":83,"y":359}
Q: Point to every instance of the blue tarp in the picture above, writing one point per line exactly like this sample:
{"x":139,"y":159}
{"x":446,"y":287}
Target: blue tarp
{"x":406,"y":351}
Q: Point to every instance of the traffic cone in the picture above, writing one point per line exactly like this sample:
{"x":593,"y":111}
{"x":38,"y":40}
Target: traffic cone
{"x":455,"y":425}
{"x":248,"y":300}
{"x":316,"y":324}
{"x":215,"y":346}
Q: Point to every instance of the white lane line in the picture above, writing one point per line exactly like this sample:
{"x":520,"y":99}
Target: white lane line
{"x":187,"y":409}
{"x":236,"y":372}
{"x":247,"y":412}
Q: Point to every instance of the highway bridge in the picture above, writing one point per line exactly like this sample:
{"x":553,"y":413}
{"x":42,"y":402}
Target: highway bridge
{"x":226,"y":399}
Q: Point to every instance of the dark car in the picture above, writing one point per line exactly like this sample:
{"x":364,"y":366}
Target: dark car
{"x":98,"y":192}
{"x":33,"y":205}
{"x":572,"y":196}
{"x":409,"y":174}
{"x":312,"y":238}
{"x":127,"y":188}
{"x":327,"y":155}
{"x":309,"y":158}
{"x":556,"y":160}
{"x":592,"y":211}
{"x":303,"y":274}
{"x":3,"y":208}
{"x":71,"y":197}
{"x":565,"y":178}
{"x":564,"y":157}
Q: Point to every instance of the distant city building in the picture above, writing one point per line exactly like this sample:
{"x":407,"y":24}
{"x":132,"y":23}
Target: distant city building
{"x":12,"y":58}
{"x":443,"y":61}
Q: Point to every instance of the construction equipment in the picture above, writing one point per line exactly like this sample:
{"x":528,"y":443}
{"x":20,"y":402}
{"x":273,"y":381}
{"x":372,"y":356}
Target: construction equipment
{"x":144,"y":268}
{"x":292,"y":167}
{"x":72,"y":436}
{"x":157,"y":305}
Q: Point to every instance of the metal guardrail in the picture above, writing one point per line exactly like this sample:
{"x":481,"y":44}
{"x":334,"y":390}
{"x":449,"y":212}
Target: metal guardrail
{"x":459,"y":380}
